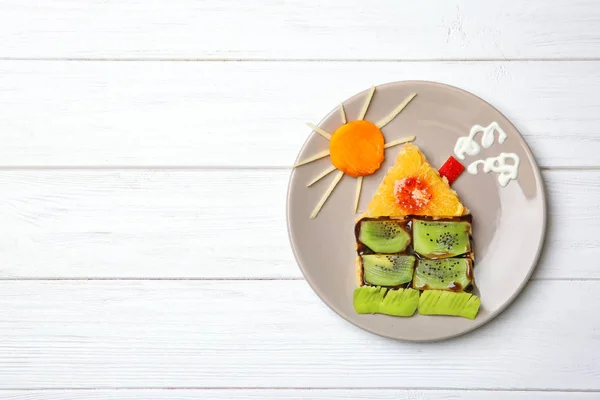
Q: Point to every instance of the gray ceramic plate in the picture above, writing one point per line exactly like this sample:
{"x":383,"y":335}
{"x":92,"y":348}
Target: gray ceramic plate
{"x":509,"y":223}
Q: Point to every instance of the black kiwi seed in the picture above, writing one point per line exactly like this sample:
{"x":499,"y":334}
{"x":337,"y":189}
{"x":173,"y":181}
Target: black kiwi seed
{"x":448,"y":240}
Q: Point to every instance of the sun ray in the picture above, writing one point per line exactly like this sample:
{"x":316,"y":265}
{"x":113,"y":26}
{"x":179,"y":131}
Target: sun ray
{"x":316,"y":157}
{"x":399,"y":141}
{"x":343,"y":113}
{"x":322,"y":175}
{"x":386,"y":120}
{"x":358,"y":188}
{"x":326,"y":195}
{"x":363,"y":112}
{"x":320,"y":131}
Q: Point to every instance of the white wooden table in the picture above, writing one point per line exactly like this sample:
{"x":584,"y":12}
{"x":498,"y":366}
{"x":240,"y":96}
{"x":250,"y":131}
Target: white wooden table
{"x":144,"y":160}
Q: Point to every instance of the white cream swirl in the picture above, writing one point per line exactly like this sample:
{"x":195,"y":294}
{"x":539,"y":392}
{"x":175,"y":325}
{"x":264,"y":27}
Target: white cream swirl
{"x":468,"y":145}
{"x":507,"y":172}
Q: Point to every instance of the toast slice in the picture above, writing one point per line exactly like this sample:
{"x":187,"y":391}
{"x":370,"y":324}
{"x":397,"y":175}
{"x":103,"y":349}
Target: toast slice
{"x":411,"y":187}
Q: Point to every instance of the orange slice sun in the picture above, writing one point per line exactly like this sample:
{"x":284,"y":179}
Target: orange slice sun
{"x":357,"y":148}
{"x":412,"y":186}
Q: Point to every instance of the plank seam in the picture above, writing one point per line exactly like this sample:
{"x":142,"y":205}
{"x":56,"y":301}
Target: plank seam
{"x":424,"y":389}
{"x":312,"y":60}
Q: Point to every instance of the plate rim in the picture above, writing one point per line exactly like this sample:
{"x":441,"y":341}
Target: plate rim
{"x":540,"y":246}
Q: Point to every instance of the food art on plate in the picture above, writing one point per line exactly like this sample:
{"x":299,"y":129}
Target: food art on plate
{"x":414,"y":242}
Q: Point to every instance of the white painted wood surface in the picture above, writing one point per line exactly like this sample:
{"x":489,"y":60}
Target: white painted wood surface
{"x":290,"y":394}
{"x":153,"y":334}
{"x":145,"y":143}
{"x":212,"y":224}
{"x":216,"y":114}
{"x":307,"y":29}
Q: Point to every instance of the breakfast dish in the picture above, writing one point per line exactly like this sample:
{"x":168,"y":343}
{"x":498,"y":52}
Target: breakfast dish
{"x":448,"y":184}
{"x":415,"y":235}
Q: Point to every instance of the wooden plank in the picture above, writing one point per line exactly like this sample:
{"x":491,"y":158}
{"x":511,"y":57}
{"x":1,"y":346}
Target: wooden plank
{"x":287,"y":394}
{"x":197,"y":334}
{"x":253,"y":114}
{"x":337,"y":29}
{"x":144,"y":224}
{"x":212,"y":224}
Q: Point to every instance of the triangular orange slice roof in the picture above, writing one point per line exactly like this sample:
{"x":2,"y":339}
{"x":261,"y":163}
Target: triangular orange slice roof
{"x":413,"y":187}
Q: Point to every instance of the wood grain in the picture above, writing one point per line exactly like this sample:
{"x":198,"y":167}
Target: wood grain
{"x":198,"y":334}
{"x":336,"y":29}
{"x":288,"y":394}
{"x":211,"y":224}
{"x":98,"y":113}
{"x":215,"y":114}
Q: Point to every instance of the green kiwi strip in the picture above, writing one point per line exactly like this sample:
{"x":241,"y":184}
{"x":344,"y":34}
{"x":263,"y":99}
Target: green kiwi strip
{"x":441,"y":302}
{"x":378,"y":300}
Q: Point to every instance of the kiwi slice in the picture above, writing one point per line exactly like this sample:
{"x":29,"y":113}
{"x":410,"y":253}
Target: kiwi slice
{"x":441,"y":239}
{"x":368,"y":298}
{"x":378,"y":300}
{"x":388,"y":270}
{"x":400,"y":303}
{"x":384,"y":236}
{"x":449,"y":273}
{"x":441,"y":302}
